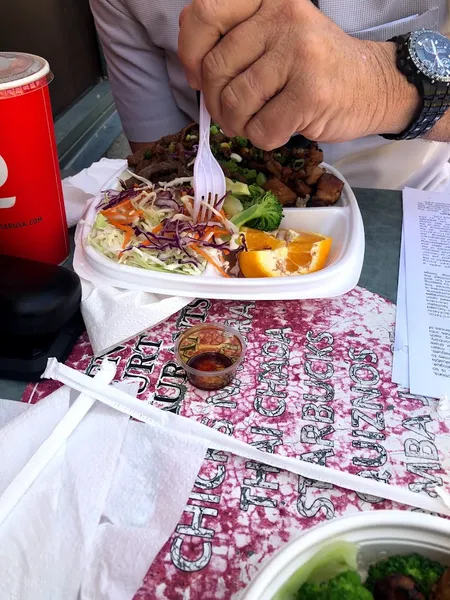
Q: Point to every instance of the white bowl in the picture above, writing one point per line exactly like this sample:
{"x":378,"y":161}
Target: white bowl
{"x":378,"y":534}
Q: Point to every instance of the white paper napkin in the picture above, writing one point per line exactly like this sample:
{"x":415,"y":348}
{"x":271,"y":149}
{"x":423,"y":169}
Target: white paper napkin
{"x":46,"y":540}
{"x":97,"y":516}
{"x":112,"y":315}
{"x":149,"y":493}
{"x":10,"y":409}
{"x":80,"y":188}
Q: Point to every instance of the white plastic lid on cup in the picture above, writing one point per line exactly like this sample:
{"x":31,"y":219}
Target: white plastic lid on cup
{"x":20,"y":72}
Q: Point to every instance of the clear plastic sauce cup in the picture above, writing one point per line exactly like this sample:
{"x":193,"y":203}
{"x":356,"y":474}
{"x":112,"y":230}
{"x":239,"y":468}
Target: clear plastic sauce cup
{"x":210,"y":354}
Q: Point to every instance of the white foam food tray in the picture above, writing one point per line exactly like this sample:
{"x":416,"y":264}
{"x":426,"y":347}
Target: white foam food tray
{"x":342,"y":222}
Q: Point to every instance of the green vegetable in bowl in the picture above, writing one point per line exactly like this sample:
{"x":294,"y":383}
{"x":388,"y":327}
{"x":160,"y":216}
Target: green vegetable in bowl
{"x":424,"y":571}
{"x":331,"y":562}
{"x":255,"y":193}
{"x":265,"y":214}
{"x":346,"y":586}
{"x":332,"y":574}
{"x":250,"y":175}
{"x":237,"y":188}
{"x":241,"y":141}
{"x":252,"y":206}
{"x":261,"y":179}
{"x":231,"y":165}
{"x":232,"y":206}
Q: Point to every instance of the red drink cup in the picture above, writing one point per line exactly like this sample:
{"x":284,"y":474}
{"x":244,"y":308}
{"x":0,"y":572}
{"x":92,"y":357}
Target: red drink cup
{"x":32,"y":214}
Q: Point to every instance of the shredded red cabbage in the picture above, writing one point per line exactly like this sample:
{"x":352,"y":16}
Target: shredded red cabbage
{"x":165,"y":199}
{"x":114,"y":197}
{"x":188,"y":261}
{"x":218,"y":205}
{"x":170,"y":204}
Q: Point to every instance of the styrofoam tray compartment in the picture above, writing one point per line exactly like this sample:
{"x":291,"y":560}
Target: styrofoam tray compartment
{"x":378,"y":534}
{"x":342,"y":222}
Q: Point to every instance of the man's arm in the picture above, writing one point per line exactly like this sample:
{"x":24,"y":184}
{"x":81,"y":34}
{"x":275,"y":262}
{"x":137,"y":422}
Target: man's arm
{"x":404,"y":103}
{"x":137,"y":74}
{"x":271,"y":68}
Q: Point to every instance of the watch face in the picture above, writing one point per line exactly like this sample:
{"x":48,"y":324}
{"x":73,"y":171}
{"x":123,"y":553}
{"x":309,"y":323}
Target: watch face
{"x":430,"y":52}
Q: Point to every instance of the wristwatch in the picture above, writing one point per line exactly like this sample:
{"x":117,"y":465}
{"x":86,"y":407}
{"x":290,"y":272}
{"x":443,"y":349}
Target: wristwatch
{"x":423,"y":57}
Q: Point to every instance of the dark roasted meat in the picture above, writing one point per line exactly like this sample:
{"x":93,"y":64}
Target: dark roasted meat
{"x":291,"y":173}
{"x":397,"y":587}
{"x":313,"y":174}
{"x":302,"y":189}
{"x":285,"y":195}
{"x":441,"y":590}
{"x":329,"y":190}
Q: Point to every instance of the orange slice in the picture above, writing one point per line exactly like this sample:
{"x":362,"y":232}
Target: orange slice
{"x":308,"y":257}
{"x":263,"y":263}
{"x":260,"y":240}
{"x":300,"y":253}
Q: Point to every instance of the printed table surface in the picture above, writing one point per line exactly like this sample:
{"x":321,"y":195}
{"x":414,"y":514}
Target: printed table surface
{"x":316,"y":384}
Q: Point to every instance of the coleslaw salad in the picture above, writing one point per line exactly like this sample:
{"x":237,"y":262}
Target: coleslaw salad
{"x":151,"y":226}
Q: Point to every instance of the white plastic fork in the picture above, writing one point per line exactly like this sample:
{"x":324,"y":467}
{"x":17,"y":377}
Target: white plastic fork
{"x":209,"y":179}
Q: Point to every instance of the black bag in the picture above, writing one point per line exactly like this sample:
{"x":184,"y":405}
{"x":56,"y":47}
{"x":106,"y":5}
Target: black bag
{"x":39,"y":316}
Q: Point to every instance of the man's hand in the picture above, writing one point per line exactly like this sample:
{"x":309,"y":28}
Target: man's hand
{"x":272,"y":68}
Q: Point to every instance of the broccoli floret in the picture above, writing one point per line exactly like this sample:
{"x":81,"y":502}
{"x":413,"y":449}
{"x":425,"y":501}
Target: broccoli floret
{"x":346,"y":586}
{"x":148,"y":154}
{"x":265,"y":214}
{"x":255,"y":195}
{"x":424,"y":571}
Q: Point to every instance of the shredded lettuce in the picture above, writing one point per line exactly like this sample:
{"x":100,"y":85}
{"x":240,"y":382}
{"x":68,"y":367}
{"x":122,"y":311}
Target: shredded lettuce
{"x":152,"y":227}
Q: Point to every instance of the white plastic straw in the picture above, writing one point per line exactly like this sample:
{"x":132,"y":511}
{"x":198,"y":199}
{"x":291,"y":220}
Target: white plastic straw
{"x":219,"y":441}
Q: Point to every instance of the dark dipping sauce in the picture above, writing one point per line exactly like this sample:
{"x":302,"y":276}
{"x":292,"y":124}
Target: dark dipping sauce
{"x":210,"y":362}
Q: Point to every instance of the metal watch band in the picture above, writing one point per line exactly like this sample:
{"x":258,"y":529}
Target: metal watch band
{"x":435,"y":96}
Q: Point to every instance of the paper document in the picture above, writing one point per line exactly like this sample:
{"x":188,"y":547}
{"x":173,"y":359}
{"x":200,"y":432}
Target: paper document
{"x":426,"y":223}
{"x":400,"y":365}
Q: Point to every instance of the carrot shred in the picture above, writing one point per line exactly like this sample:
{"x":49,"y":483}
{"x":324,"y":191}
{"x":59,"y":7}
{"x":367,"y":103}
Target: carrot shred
{"x":121,"y":226}
{"x":216,"y":231}
{"x":124,"y":211}
{"x":115,"y":209}
{"x":158,"y":228}
{"x":127,"y":238}
{"x":126,"y":228}
{"x":210,"y":260}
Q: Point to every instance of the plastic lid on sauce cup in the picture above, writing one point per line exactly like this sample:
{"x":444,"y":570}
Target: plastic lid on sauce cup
{"x":21,"y":73}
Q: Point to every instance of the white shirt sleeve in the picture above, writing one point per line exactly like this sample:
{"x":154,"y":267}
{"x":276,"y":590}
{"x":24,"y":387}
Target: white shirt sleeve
{"x":137,"y":73}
